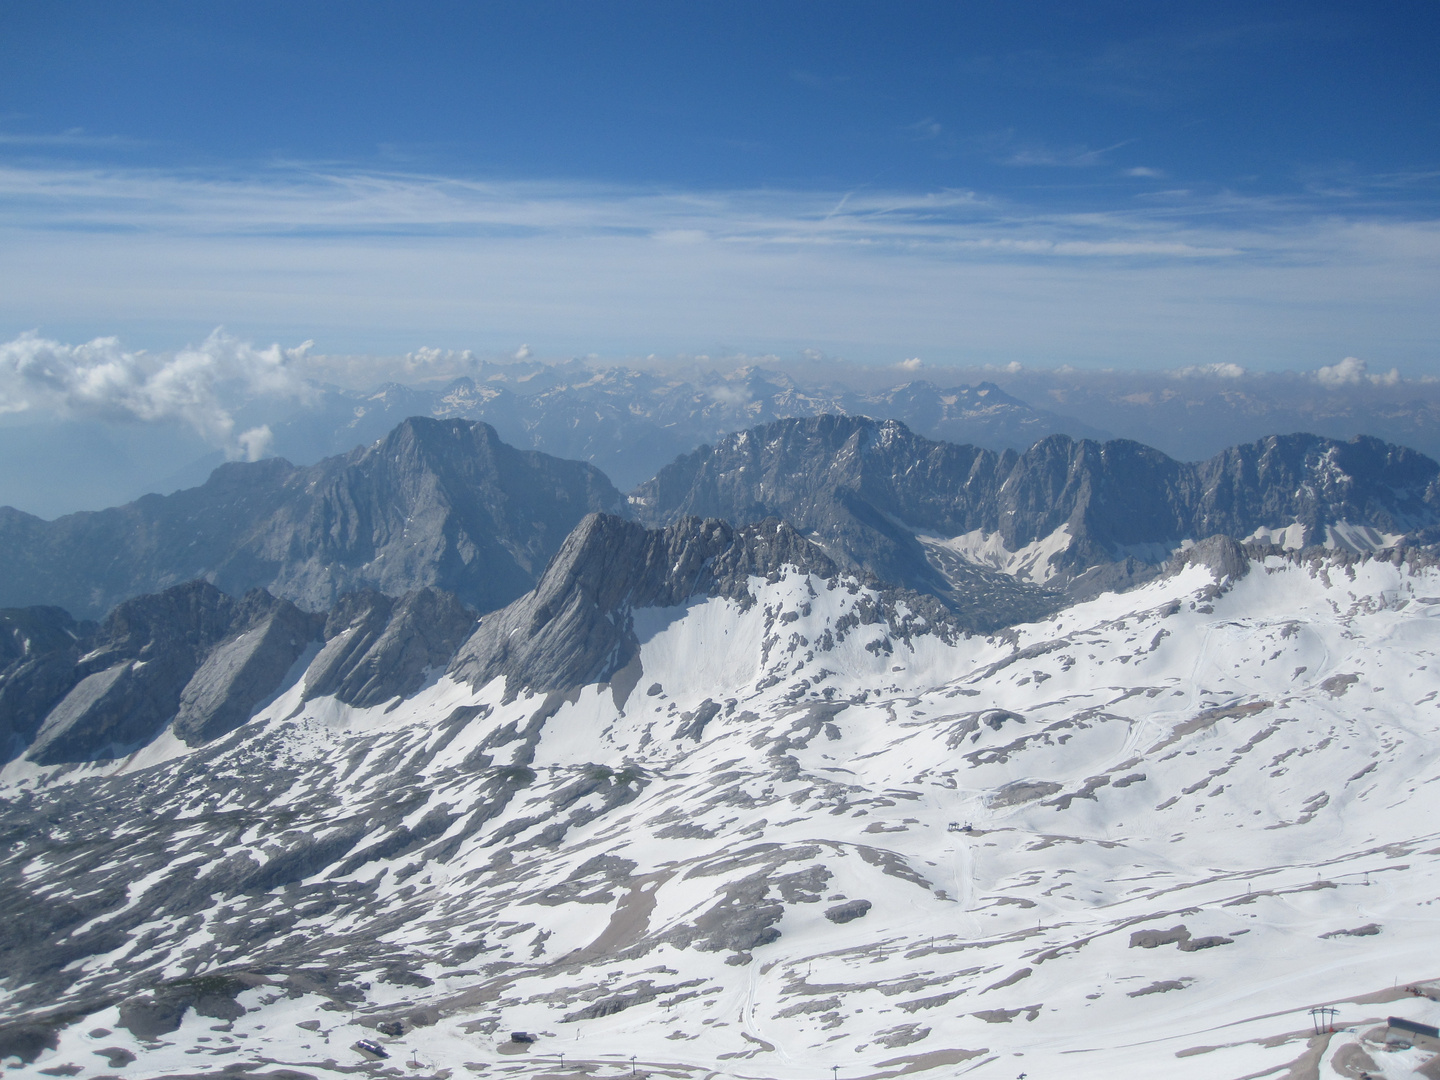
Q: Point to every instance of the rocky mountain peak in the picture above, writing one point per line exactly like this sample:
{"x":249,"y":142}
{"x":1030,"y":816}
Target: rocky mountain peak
{"x":436,"y":503}
{"x":202,"y":663}
{"x":129,"y":684}
{"x":576,"y":627}
{"x":1068,"y":514}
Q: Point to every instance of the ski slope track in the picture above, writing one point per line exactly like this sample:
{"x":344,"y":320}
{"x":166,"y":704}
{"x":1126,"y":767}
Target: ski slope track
{"x":1144,"y":836}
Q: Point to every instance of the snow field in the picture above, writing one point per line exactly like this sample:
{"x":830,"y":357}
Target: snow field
{"x":1257,"y":767}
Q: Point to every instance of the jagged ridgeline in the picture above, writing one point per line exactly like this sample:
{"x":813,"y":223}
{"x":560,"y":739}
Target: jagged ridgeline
{"x":196,"y":662}
{"x":1007,"y":532}
{"x":999,"y":537}
{"x":632,"y":423}
{"x":578,"y":626}
{"x":436,"y":503}
{"x":440,"y":521}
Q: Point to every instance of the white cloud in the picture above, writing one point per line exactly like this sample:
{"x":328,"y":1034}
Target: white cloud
{"x":75,"y":137}
{"x":256,"y":442}
{"x":427,"y":362}
{"x":1352,"y":371}
{"x":928,"y":128}
{"x":523,"y":353}
{"x":729,"y":394}
{"x":1145,"y":172}
{"x":372,"y":263}
{"x":1214,"y":371}
{"x":102,"y":380}
{"x":913,"y":364}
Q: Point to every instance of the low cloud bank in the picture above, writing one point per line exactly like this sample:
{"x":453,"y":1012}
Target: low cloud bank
{"x":1352,"y":371}
{"x":102,"y":380}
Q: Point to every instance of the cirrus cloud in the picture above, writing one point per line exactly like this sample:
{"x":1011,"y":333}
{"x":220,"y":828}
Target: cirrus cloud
{"x":372,"y":263}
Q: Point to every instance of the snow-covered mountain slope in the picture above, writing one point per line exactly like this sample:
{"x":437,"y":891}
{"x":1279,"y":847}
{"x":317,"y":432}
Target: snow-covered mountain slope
{"x":1148,"y":834}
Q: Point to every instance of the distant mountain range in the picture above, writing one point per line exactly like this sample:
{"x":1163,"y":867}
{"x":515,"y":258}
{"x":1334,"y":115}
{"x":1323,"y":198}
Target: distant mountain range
{"x":433,"y":503}
{"x":631,"y":423}
{"x":373,"y":566}
{"x":1065,"y":514}
{"x":996,"y":536}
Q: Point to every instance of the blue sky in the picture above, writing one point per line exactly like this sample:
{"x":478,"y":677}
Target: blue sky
{"x":1113,"y":184}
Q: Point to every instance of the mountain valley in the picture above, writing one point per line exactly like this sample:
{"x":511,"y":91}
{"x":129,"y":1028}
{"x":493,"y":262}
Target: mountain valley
{"x":738,"y":781}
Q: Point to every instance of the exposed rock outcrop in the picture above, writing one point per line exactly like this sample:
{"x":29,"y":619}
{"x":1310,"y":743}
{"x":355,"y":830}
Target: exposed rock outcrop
{"x":378,"y":648}
{"x":39,"y":648}
{"x":1107,"y":515}
{"x":577,"y":625}
{"x":1224,"y":556}
{"x":130,"y":684}
{"x":268,"y":636}
{"x":74,"y":692}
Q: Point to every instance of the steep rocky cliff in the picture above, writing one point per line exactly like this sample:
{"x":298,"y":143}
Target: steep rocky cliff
{"x":434,"y":503}
{"x":1066,"y":513}
{"x":201,"y":663}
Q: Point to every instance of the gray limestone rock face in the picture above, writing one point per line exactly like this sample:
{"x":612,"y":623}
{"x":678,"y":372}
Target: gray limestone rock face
{"x":1223,"y":556}
{"x":208,"y":662}
{"x":82,"y":714}
{"x":742,"y":919}
{"x":575,"y":627}
{"x":433,"y":504}
{"x":859,"y":485}
{"x":150,"y":1015}
{"x":870,"y":491}
{"x":849,"y":911}
{"x":191,"y":654}
{"x":245,"y":669}
{"x":378,"y":648}
{"x":130,"y":685}
{"x":39,"y":648}
{"x":1316,"y":482}
{"x":29,"y":1041}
